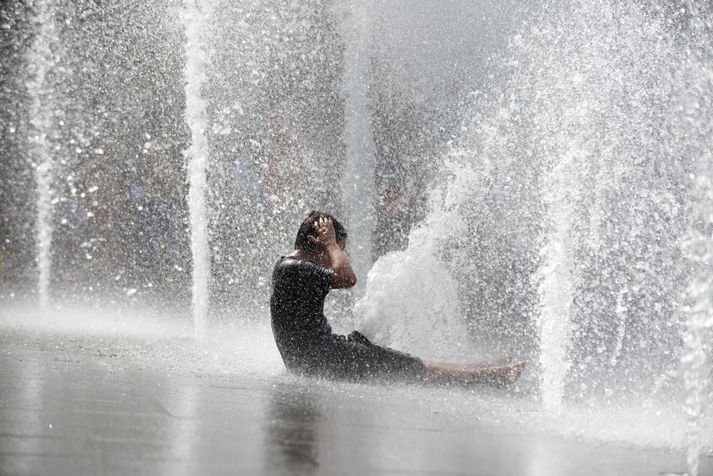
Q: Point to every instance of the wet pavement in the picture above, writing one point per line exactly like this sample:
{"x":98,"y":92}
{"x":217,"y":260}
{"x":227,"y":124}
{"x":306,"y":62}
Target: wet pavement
{"x":74,"y":406}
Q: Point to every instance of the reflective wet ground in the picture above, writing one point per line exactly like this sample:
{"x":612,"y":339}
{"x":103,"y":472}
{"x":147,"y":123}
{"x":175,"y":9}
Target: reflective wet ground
{"x":73,"y":405}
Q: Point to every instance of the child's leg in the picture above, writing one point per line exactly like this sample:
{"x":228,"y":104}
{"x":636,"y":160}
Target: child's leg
{"x":456,"y":373}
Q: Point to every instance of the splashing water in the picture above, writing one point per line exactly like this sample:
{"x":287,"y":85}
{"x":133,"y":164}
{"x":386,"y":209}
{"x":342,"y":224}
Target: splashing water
{"x":697,"y":242}
{"x":697,"y":246}
{"x":41,"y":61}
{"x":410,"y":293}
{"x":556,"y":280}
{"x":621,"y":331}
{"x":197,"y":155}
{"x":698,"y":330}
{"x":590,"y":86}
{"x":585,"y":142}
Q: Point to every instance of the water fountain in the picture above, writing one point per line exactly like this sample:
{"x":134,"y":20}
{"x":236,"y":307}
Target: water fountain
{"x":557,"y":282}
{"x":42,"y":59}
{"x":697,"y":241}
{"x":197,"y":156}
{"x":698,"y":327}
{"x":585,"y":136}
{"x":358,"y":180}
{"x":569,"y":217}
{"x":408,"y":292}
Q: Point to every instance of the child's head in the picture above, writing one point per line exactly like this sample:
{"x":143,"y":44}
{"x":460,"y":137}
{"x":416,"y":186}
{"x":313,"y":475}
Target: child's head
{"x":307,"y":228}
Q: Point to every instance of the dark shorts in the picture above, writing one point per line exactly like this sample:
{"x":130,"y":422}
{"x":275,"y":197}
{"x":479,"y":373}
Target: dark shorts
{"x":352,"y":358}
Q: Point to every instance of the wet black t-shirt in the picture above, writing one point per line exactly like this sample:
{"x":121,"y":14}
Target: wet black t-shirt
{"x":305,"y":339}
{"x":297,"y":303}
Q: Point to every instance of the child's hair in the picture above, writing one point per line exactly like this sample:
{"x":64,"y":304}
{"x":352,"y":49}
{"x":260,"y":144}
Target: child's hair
{"x":307,"y":228}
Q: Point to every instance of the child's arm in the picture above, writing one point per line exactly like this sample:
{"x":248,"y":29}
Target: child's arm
{"x":331,"y":255}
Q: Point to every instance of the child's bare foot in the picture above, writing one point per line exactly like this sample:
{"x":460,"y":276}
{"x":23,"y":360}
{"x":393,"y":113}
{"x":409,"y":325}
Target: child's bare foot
{"x":500,"y":376}
{"x":511,"y":373}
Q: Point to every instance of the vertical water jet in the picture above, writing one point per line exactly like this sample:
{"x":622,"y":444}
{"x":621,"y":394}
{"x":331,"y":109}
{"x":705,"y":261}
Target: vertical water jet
{"x":697,"y":242}
{"x":41,"y":61}
{"x":620,"y":312}
{"x":197,"y":156}
{"x":358,"y":185}
{"x":697,"y":246}
{"x":556,"y":287}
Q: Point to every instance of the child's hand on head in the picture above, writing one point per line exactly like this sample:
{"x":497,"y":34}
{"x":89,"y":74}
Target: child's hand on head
{"x":324,"y":233}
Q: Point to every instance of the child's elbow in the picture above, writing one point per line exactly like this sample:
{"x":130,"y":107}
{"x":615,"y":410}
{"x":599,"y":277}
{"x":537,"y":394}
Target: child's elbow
{"x":342,"y":282}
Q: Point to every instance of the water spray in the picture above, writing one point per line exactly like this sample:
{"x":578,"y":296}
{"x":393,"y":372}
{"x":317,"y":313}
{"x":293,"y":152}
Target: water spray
{"x":197,"y":157}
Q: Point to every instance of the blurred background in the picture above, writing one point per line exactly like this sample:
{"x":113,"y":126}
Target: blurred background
{"x":114,"y":98}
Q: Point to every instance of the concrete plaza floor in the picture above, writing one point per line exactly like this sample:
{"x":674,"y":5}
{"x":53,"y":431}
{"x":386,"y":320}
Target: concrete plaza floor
{"x":95,"y":406}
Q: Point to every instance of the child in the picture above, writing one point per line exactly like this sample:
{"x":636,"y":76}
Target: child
{"x":302,"y":280}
